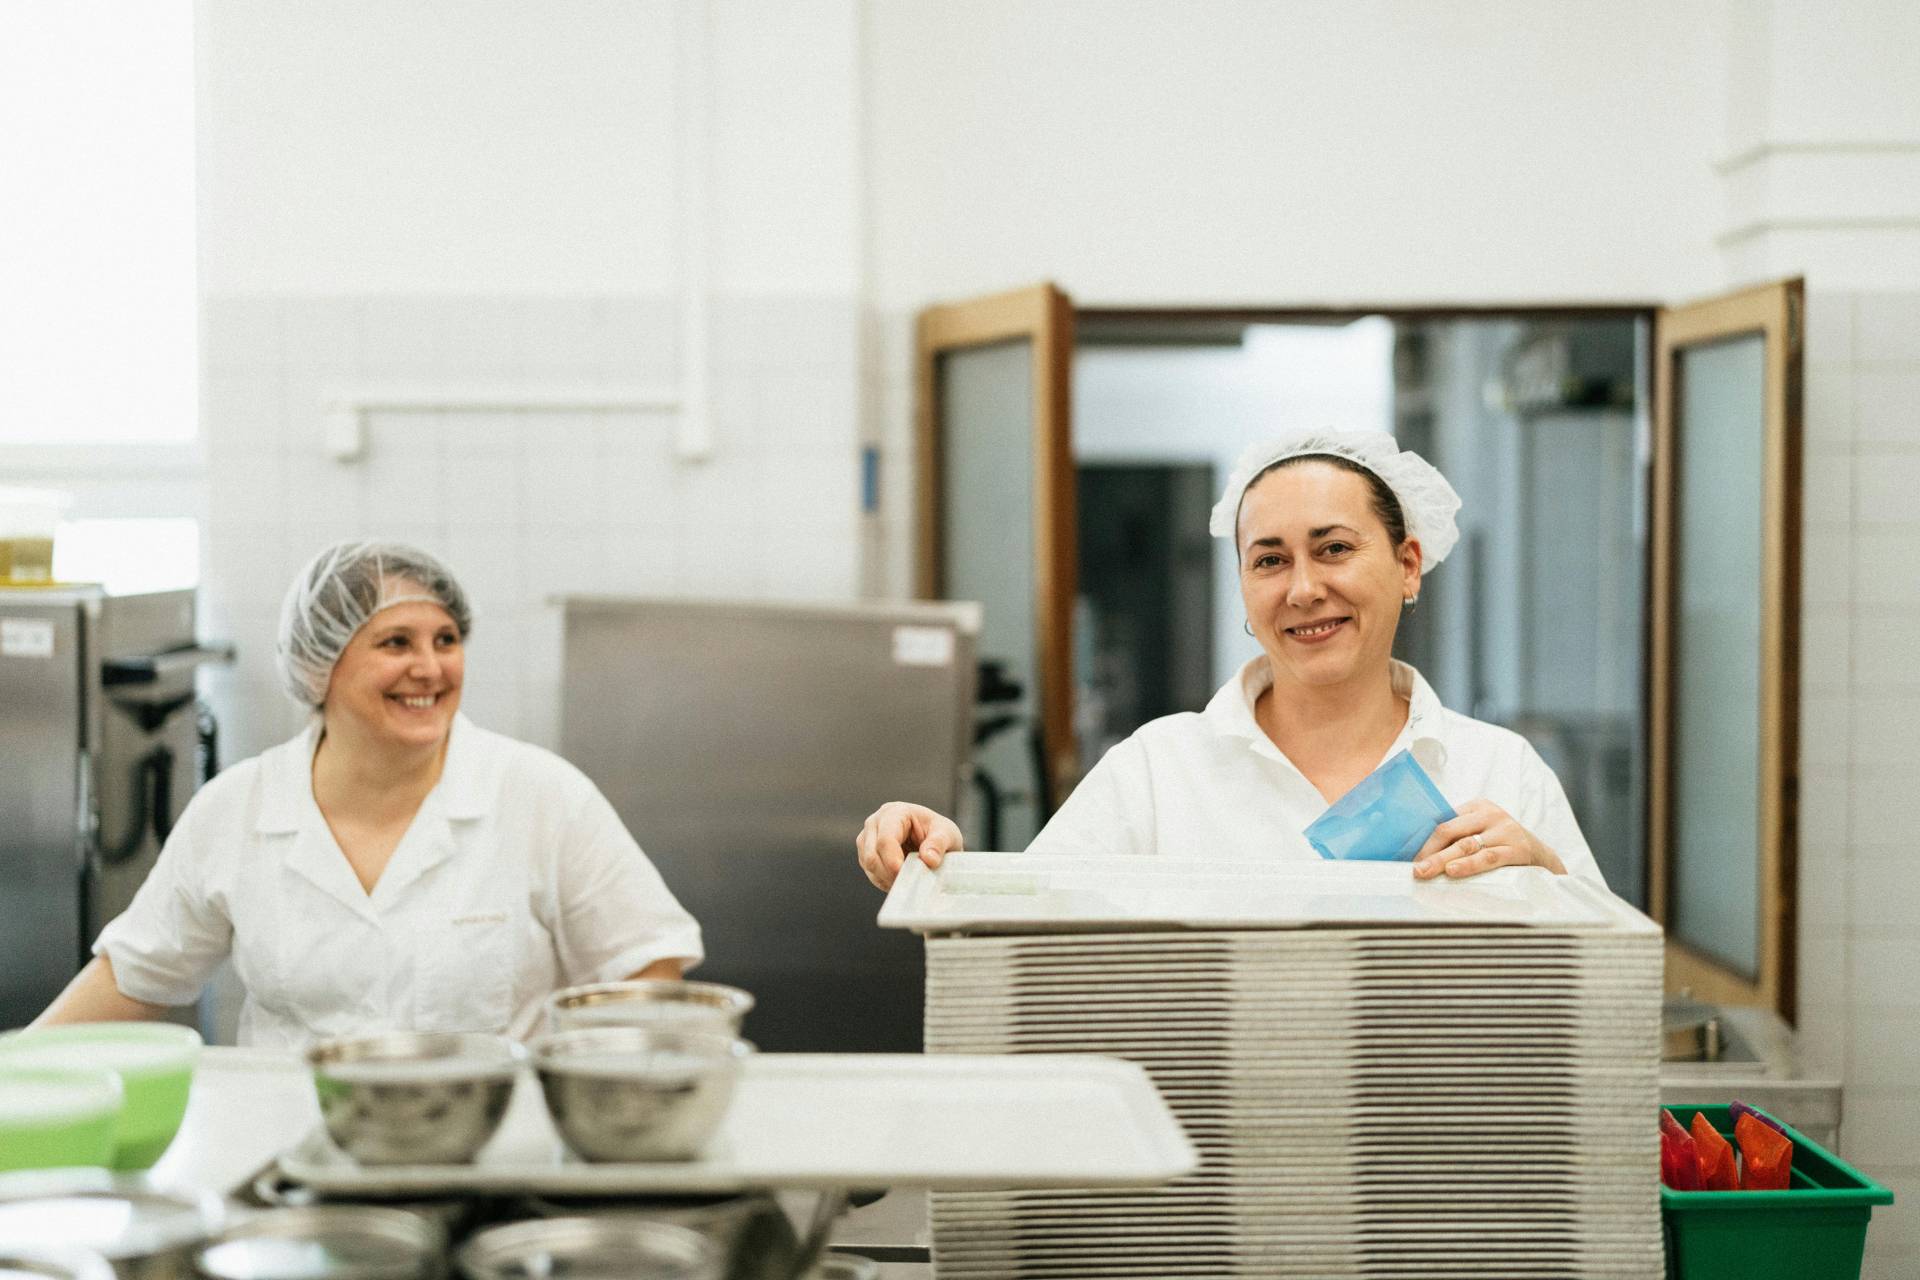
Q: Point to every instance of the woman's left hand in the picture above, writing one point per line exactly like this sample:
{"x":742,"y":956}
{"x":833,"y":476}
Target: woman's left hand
{"x":1483,"y":836}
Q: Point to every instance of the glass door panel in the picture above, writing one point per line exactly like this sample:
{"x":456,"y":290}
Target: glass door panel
{"x":1720,"y":469}
{"x":1724,"y":739}
{"x":986,"y":533}
{"x":996,"y":524}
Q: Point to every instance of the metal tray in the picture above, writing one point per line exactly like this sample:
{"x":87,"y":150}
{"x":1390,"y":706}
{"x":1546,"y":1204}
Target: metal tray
{"x":1042,"y":893}
{"x":831,"y":1120}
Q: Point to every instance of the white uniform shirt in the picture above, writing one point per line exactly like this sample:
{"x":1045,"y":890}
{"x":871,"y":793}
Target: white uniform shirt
{"x":515,"y":878}
{"x":1211,"y":784}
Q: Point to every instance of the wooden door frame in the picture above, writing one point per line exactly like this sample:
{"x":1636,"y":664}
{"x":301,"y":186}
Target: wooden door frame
{"x":1775,"y":312}
{"x":1043,"y":316}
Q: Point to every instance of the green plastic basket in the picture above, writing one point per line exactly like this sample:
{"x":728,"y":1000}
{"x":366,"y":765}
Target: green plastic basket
{"x":1814,"y":1230}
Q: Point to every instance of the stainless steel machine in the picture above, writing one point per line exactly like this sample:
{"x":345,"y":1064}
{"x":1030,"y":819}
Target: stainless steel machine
{"x":102,"y":743}
{"x":743,"y":745}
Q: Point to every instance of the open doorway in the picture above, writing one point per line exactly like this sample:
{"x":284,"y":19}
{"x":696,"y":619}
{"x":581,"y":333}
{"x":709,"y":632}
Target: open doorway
{"x":1539,"y":420}
{"x":1145,"y":615}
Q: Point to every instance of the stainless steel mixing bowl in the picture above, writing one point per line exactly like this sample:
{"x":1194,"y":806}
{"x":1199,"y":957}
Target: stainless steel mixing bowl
{"x":637,"y":1093}
{"x":414,"y":1098}
{"x":325,"y":1242}
{"x":53,"y":1264}
{"x":751,"y":1231}
{"x":647,"y":1002}
{"x":589,"y":1249}
{"x":142,"y":1231}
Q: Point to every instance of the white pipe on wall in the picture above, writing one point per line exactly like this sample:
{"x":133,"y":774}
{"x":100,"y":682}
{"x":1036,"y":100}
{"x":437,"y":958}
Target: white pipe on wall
{"x":345,"y":436}
{"x":346,"y":411}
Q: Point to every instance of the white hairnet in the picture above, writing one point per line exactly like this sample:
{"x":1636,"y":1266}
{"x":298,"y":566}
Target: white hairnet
{"x":1425,"y":497}
{"x":335,"y":595}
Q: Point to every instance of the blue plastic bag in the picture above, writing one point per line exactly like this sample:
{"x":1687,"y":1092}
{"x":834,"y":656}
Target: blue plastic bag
{"x":1385,"y":818}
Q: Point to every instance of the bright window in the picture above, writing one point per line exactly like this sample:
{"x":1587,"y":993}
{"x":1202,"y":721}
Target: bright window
{"x":98,"y":335}
{"x":129,"y":555}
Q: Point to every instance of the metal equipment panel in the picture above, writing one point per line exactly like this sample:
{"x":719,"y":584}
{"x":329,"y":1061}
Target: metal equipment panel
{"x":743,"y":745}
{"x":41,"y":842}
{"x":147,"y":764}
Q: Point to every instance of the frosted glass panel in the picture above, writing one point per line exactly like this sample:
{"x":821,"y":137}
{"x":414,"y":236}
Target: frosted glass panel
{"x":1720,"y":437}
{"x":986,"y":407}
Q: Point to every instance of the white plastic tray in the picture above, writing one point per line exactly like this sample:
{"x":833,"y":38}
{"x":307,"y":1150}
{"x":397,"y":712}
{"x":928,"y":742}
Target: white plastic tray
{"x":1040,"y":893}
{"x":830,"y":1120}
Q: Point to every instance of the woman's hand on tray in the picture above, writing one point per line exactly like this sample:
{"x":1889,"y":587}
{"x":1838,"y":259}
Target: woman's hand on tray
{"x":896,"y":830}
{"x":1483,"y":836}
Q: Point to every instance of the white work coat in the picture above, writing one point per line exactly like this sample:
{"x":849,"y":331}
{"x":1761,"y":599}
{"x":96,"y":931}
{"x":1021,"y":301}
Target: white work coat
{"x":515,"y":878}
{"x":1211,"y":784}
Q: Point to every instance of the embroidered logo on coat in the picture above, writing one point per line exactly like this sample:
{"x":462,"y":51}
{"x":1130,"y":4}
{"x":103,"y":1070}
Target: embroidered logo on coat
{"x":485,"y":917}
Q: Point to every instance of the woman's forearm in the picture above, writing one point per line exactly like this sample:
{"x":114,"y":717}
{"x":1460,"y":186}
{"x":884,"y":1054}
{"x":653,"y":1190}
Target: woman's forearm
{"x":94,"y":996}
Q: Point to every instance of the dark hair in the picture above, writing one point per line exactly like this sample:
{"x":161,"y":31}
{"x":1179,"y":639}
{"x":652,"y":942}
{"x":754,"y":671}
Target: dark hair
{"x":1385,"y":505}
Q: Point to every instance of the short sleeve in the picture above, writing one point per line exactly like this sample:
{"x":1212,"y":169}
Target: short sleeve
{"x":168,"y":942}
{"x":1545,"y":812}
{"x":1110,"y":812}
{"x":615,"y":915}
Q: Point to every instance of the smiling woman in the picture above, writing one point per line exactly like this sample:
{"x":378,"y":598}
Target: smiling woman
{"x":395,"y":866}
{"x":1333,"y":533}
{"x":1325,"y":568}
{"x":401,"y":682}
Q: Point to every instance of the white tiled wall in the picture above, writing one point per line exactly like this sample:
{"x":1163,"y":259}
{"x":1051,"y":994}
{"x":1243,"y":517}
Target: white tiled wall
{"x":525,"y":504}
{"x":1860,"y":689}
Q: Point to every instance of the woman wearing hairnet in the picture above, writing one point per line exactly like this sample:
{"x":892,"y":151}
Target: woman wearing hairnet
{"x":394,"y":866}
{"x":1334,"y":532}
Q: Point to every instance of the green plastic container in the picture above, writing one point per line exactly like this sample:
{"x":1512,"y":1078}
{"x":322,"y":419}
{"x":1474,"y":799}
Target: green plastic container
{"x":154,"y":1061}
{"x":55,"y":1118}
{"x":1814,"y":1230}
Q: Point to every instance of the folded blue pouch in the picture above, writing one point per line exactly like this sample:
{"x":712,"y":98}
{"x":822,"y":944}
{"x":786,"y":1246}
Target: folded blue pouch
{"x":1385,"y":818}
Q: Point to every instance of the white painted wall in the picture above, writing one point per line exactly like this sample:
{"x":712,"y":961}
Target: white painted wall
{"x":786,"y":147}
{"x":453,"y":146}
{"x":493,"y":146}
{"x":1240,"y":150}
{"x":1820,"y":76}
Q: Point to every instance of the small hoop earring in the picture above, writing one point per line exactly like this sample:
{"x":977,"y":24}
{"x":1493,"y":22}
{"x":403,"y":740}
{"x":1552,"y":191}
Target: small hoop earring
{"x":1409,"y":602}
{"x":1246,"y":626}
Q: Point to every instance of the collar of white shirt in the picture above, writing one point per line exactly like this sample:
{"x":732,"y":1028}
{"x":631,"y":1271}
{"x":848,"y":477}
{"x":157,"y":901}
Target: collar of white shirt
{"x":288,"y":773}
{"x":1230,"y":712}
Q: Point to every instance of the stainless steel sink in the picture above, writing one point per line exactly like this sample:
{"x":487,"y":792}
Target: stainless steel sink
{"x":1749,"y":1054}
{"x":1696,"y":1032}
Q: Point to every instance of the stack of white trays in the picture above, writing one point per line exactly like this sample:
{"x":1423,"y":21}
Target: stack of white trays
{"x":1383,"y":1078}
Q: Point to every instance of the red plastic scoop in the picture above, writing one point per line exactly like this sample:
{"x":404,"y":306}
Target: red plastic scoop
{"x":1718,"y":1170}
{"x":1766,"y":1155}
{"x":1679,"y":1161}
